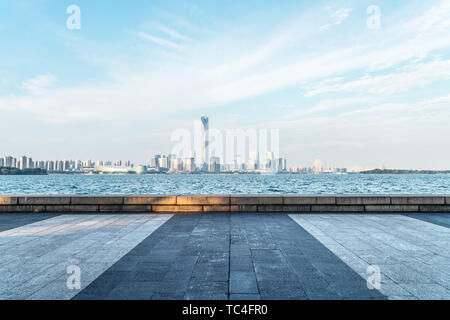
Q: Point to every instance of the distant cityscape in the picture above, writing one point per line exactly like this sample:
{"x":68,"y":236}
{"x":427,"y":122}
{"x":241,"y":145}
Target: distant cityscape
{"x":168,"y":164}
{"x":175,"y":164}
{"x":268,"y":163}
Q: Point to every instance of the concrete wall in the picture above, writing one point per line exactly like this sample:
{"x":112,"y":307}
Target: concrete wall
{"x":225,"y":203}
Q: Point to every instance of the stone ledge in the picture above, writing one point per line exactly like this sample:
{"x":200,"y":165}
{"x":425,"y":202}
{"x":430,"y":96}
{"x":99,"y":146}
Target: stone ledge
{"x":8,"y":200}
{"x":137,"y":208}
{"x":284,"y":208}
{"x":244,"y":208}
{"x":333,"y":208}
{"x":203,"y":200}
{"x":418,"y":200}
{"x":226,"y":203}
{"x":296,"y":199}
{"x":176,"y":208}
{"x":22,"y":209}
{"x":113,"y":208}
{"x":255,"y":199}
{"x":362,"y":200}
{"x":44,"y":200}
{"x":428,"y":208}
{"x":134,"y":200}
{"x":96,"y":200}
{"x":71,"y":208}
{"x":216,"y":208}
{"x":392,"y":208}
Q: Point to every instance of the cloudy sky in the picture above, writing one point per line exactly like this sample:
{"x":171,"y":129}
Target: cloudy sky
{"x":357,"y":83}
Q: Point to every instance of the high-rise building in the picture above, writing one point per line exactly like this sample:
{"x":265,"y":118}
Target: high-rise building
{"x":189,"y":164}
{"x":214,"y":164}
{"x":23,"y":162}
{"x":30,"y":163}
{"x":2,"y":162}
{"x":163,"y":163}
{"x":155,"y":161}
{"x":281,"y":166}
{"x":66,"y":165}
{"x":205,"y":143}
{"x":176,"y":164}
{"x":9,"y":161}
{"x":39,"y":165}
{"x":253,"y":162}
{"x":59,"y":165}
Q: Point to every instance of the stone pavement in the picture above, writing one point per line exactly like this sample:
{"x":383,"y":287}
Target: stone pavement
{"x":412,"y":255}
{"x":225,"y":256}
{"x":35,"y":257}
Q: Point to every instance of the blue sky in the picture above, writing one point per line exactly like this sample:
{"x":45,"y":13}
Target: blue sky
{"x":133,"y":73}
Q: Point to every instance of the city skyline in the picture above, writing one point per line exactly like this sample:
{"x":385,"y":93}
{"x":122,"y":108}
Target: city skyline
{"x":360,"y":83}
{"x":169,"y":163}
{"x":159,"y":163}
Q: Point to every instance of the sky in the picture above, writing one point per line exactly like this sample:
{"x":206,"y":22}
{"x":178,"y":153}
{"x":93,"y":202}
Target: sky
{"x":355,"y":83}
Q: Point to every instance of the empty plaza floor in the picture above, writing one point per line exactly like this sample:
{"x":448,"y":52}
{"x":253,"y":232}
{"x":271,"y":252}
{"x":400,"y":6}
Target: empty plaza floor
{"x":224,"y":256}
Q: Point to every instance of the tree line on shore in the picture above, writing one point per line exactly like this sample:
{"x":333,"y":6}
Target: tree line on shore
{"x":403,"y":171}
{"x":16,"y":171}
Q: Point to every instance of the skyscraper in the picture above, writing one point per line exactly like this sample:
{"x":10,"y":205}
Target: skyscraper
{"x":205,"y":143}
{"x":155,"y":161}
{"x":9,"y":161}
{"x":30,"y":163}
{"x":189,"y":164}
{"x":214,"y":164}
{"x":23,"y":161}
{"x":163,"y":163}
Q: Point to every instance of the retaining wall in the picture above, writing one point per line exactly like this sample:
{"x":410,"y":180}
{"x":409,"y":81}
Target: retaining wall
{"x":225,"y":203}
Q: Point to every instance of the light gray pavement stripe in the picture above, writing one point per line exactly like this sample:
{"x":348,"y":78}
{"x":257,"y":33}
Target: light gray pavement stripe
{"x":413,"y":255}
{"x":35,"y":257}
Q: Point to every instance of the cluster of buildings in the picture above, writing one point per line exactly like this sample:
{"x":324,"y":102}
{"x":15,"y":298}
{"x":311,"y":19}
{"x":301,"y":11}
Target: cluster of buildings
{"x":204,"y":159}
{"x":315,"y":170}
{"x":174,"y":164}
{"x":158,"y":164}
{"x":252,"y":162}
{"x":74,"y":166}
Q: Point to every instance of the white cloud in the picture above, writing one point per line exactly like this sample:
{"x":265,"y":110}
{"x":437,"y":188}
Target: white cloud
{"x":194,"y":83}
{"x":160,"y":41}
{"x":414,"y":76}
{"x":173,"y":33}
{"x":39,"y":84}
{"x":332,"y":104}
{"x":337,"y":17}
{"x":433,"y":20}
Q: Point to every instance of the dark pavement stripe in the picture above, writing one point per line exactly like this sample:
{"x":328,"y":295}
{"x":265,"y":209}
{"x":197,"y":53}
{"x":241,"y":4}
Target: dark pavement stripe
{"x":290,"y":263}
{"x":11,"y":221}
{"x":227,"y":256}
{"x":140,"y":273}
{"x":441,"y":219}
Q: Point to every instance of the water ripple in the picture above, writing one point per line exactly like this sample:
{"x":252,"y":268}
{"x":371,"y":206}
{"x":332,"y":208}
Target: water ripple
{"x":226,"y":184}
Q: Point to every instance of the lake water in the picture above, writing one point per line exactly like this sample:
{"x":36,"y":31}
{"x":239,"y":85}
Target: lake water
{"x":225,"y":184}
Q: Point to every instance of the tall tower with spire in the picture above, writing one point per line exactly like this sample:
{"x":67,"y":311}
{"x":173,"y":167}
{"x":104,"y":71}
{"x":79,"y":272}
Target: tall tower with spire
{"x":205,"y":143}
